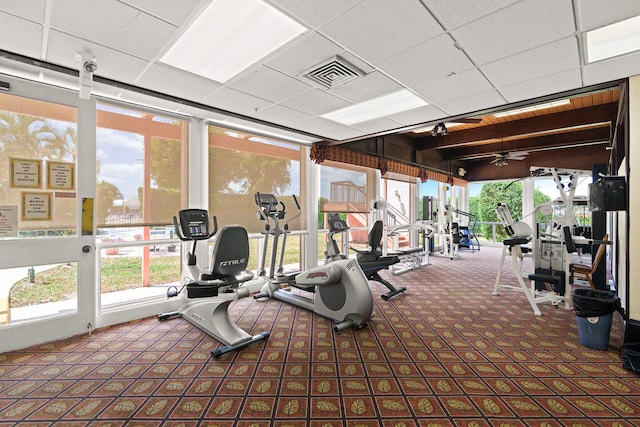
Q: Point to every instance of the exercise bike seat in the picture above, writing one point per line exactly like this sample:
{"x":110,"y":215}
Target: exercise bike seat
{"x":229,"y":259}
{"x":372,"y":259}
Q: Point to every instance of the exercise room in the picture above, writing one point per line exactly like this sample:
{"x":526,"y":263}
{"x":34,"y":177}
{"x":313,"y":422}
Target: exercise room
{"x":300,"y":213}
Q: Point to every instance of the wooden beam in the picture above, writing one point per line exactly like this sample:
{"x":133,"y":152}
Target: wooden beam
{"x":558,"y":140}
{"x":563,"y":120}
{"x":567,"y":158}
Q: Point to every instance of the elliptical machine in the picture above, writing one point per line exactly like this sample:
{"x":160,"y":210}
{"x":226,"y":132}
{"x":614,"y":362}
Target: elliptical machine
{"x":340,"y":290}
{"x":209,"y":296}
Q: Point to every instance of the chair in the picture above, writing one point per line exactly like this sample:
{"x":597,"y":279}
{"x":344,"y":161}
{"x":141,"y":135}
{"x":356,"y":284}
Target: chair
{"x":587,"y":271}
{"x":372,"y":261}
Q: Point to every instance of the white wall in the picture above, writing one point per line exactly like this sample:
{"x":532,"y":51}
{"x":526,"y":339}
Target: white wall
{"x":633,"y":181}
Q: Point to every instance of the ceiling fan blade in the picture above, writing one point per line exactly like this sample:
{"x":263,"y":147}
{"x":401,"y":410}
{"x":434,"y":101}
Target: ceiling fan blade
{"x":516,"y":157}
{"x":497,"y":159}
{"x":519,"y":153}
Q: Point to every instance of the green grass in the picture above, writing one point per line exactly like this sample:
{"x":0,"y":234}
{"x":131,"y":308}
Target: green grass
{"x":123,"y":272}
{"x":118,"y":274}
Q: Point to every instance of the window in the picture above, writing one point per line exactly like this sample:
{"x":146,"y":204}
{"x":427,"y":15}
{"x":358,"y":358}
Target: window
{"x":240,"y":165}
{"x":141,"y":185}
{"x":38,"y":147}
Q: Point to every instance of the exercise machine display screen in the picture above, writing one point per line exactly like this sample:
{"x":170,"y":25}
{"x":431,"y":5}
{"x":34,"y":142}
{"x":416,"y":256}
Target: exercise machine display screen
{"x":194,"y":223}
{"x":336,"y":223}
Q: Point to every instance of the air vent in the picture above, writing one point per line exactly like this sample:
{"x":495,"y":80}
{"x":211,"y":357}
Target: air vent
{"x":333,"y":72}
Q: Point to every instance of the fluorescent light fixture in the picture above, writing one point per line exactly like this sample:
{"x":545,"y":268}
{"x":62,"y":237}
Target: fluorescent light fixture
{"x":613,"y":40}
{"x":258,"y":132}
{"x":381,"y":106}
{"x":532,"y":108}
{"x":229,"y":36}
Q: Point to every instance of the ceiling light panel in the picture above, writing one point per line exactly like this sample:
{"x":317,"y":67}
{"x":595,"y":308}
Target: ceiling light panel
{"x":225,"y":38}
{"x":381,"y":106}
{"x":613,"y":40}
{"x":532,"y":108}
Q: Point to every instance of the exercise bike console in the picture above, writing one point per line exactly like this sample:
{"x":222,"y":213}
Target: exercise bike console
{"x":194,"y":225}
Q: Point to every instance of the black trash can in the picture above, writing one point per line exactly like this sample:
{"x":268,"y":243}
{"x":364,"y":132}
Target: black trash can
{"x":594,"y":313}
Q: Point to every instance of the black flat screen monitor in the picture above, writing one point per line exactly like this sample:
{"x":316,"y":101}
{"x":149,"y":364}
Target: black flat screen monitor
{"x":609,"y":193}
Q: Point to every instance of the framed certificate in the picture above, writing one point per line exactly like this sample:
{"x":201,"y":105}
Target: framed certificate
{"x":61,"y":175}
{"x":25,"y":173}
{"x":36,"y":206}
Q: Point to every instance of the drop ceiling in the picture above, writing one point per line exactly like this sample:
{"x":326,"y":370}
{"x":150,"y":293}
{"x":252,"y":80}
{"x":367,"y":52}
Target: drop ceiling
{"x":462,"y":57}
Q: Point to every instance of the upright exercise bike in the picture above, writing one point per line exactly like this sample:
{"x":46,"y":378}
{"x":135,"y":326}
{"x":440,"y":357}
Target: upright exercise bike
{"x":339,"y":290}
{"x":209,"y":294}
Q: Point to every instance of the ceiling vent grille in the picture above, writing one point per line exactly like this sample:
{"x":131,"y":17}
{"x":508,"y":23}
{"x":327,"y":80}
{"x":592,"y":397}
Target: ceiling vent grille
{"x":332,"y":73}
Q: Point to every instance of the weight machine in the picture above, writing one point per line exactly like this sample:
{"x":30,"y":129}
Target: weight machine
{"x":410,"y":258}
{"x":552,"y":243}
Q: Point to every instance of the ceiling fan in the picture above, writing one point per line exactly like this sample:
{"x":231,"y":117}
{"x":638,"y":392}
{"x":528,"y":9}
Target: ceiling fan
{"x":502,"y":159}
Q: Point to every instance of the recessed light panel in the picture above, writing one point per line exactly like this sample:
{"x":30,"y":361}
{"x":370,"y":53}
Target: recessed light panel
{"x":381,"y":106}
{"x":229,"y":36}
{"x":613,"y":40}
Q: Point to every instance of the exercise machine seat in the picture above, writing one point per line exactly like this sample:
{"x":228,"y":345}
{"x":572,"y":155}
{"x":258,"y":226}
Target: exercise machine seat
{"x":587,"y":271}
{"x":229,"y":257}
{"x":372,"y":261}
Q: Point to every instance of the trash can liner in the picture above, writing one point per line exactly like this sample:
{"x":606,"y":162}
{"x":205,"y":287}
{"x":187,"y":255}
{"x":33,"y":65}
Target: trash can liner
{"x":595,"y":302}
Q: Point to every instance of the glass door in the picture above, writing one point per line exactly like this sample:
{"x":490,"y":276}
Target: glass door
{"x":47,"y":247}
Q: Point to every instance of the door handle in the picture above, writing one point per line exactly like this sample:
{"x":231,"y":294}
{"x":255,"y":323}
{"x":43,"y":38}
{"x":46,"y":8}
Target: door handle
{"x":86,"y":249}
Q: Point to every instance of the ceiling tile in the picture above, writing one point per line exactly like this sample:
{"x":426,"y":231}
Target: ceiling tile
{"x":315,"y":102}
{"x":269,"y":84}
{"x":281,"y":115}
{"x":175,"y":12}
{"x":454,"y":86}
{"x":520,"y":27}
{"x":377,"y":29}
{"x":183,"y":85}
{"x":113,"y":24}
{"x":546,"y":85}
{"x":319,"y":126}
{"x":419,"y":115}
{"x":453,"y":14}
{"x":377,"y":126}
{"x":363,"y":88}
{"x":20,"y":35}
{"x":32,"y":9}
{"x":596,"y":13}
{"x":619,"y":67}
{"x":344,"y":133}
{"x":235,"y":101}
{"x":545,"y":60}
{"x":469,"y":104}
{"x":112,"y":64}
{"x":308,"y":52}
{"x":428,"y":61}
{"x":312,"y":12}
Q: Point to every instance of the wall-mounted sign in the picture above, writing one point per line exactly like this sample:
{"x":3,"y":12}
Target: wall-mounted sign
{"x":36,"y":206}
{"x":25,"y":173}
{"x":8,"y":221}
{"x":61,"y":176}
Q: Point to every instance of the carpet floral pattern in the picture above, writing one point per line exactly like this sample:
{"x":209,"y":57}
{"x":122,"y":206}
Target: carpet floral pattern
{"x":445,"y":353}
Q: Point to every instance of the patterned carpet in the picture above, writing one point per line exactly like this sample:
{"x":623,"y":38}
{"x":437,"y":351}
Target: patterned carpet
{"x":445,"y":353}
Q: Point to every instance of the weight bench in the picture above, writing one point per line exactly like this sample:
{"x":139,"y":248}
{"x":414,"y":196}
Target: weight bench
{"x":533,"y":295}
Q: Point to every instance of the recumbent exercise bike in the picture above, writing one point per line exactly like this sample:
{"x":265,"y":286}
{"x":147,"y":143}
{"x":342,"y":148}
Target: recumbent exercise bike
{"x":209,"y":294}
{"x":340,"y":290}
{"x":371,"y":260}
